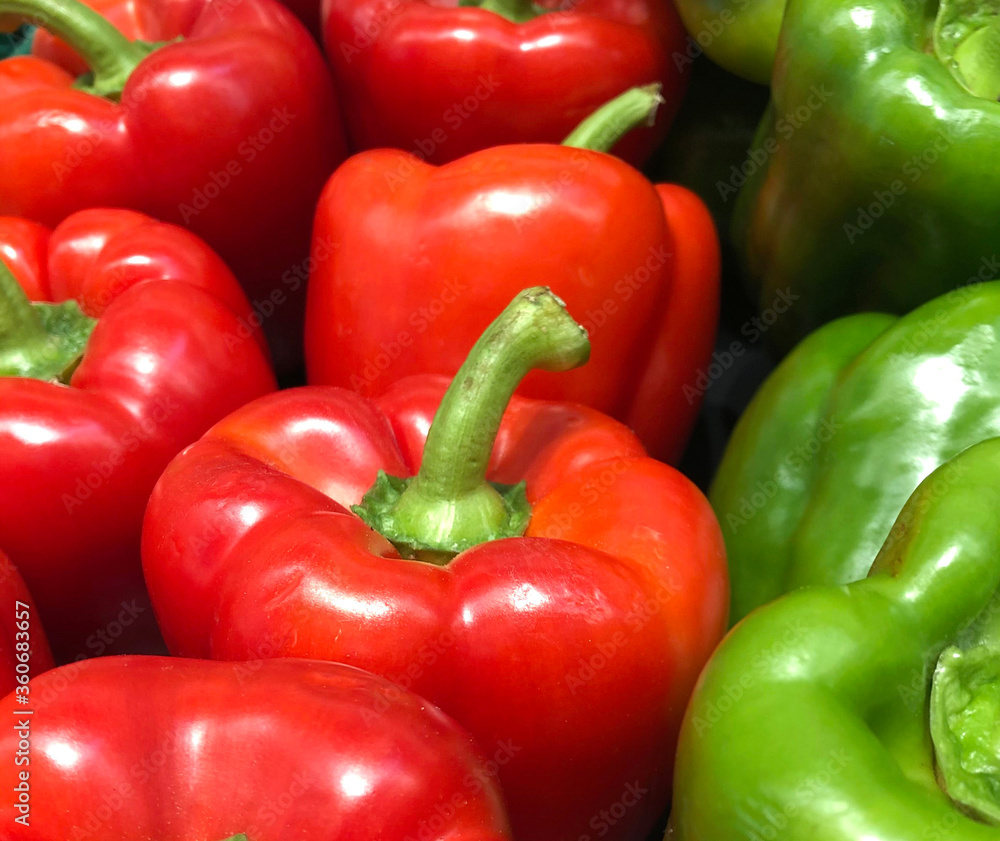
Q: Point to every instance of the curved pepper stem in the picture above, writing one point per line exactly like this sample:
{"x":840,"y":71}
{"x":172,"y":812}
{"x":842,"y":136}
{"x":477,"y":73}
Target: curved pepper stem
{"x":110,"y":55}
{"x":449,"y":506}
{"x":613,"y":120}
{"x":516,"y":11}
{"x":41,"y":341}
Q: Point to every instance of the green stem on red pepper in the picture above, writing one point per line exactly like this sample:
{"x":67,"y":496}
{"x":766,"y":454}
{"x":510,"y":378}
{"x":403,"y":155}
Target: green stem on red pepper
{"x":516,"y":11}
{"x":108,"y":53}
{"x":41,"y":341}
{"x":449,"y":506}
{"x":613,"y":120}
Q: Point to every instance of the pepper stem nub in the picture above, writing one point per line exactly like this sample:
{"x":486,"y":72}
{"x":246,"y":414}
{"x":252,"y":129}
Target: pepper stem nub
{"x":110,"y":56}
{"x":449,"y":506}
{"x":40,"y":341}
{"x":613,"y":120}
{"x":516,"y":11}
{"x":967,"y":42}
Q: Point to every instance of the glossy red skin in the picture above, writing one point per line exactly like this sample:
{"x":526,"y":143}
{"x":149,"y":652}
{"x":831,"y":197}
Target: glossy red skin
{"x":249,"y":551}
{"x":687,"y":334}
{"x":124,"y":748}
{"x":19,"y":625}
{"x":406,"y":68}
{"x":171,"y":354}
{"x":62,"y":150}
{"x":410,"y":261}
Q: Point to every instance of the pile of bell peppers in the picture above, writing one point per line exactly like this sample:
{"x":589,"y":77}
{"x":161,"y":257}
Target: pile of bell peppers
{"x":421,"y":422}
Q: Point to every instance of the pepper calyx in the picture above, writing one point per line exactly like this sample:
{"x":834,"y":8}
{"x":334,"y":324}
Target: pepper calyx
{"x":966,"y":40}
{"x":965,"y":728}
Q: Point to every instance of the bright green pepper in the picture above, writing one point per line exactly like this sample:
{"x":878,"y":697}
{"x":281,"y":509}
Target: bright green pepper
{"x":739,"y":35}
{"x":867,"y":712}
{"x":873,"y":182}
{"x":843,"y":431}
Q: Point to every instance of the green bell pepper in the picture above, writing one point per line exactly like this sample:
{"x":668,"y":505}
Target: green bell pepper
{"x":867,"y":712}
{"x":708,"y":142}
{"x":843,"y":431}
{"x":739,"y":35}
{"x":873,"y":181}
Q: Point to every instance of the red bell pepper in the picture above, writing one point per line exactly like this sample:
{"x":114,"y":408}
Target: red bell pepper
{"x":171,"y":353}
{"x":399,"y":245}
{"x":128,"y":748}
{"x":218,"y":115}
{"x":578,"y":641}
{"x":24,"y":648}
{"x":307,"y":11}
{"x":444,"y":80}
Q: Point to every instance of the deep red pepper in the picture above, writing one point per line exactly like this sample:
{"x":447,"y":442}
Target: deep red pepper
{"x":412,"y":261}
{"x":127,"y":748}
{"x":171,"y":353}
{"x":442,"y":79}
{"x":24,"y":648}
{"x":307,"y":11}
{"x":578,"y":642}
{"x":230,"y":131}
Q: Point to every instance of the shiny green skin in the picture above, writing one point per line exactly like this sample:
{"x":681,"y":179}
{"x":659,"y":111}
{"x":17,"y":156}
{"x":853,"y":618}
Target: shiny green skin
{"x":827,"y":161}
{"x":810,"y":722}
{"x":842,"y":432}
{"x":739,"y":35}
